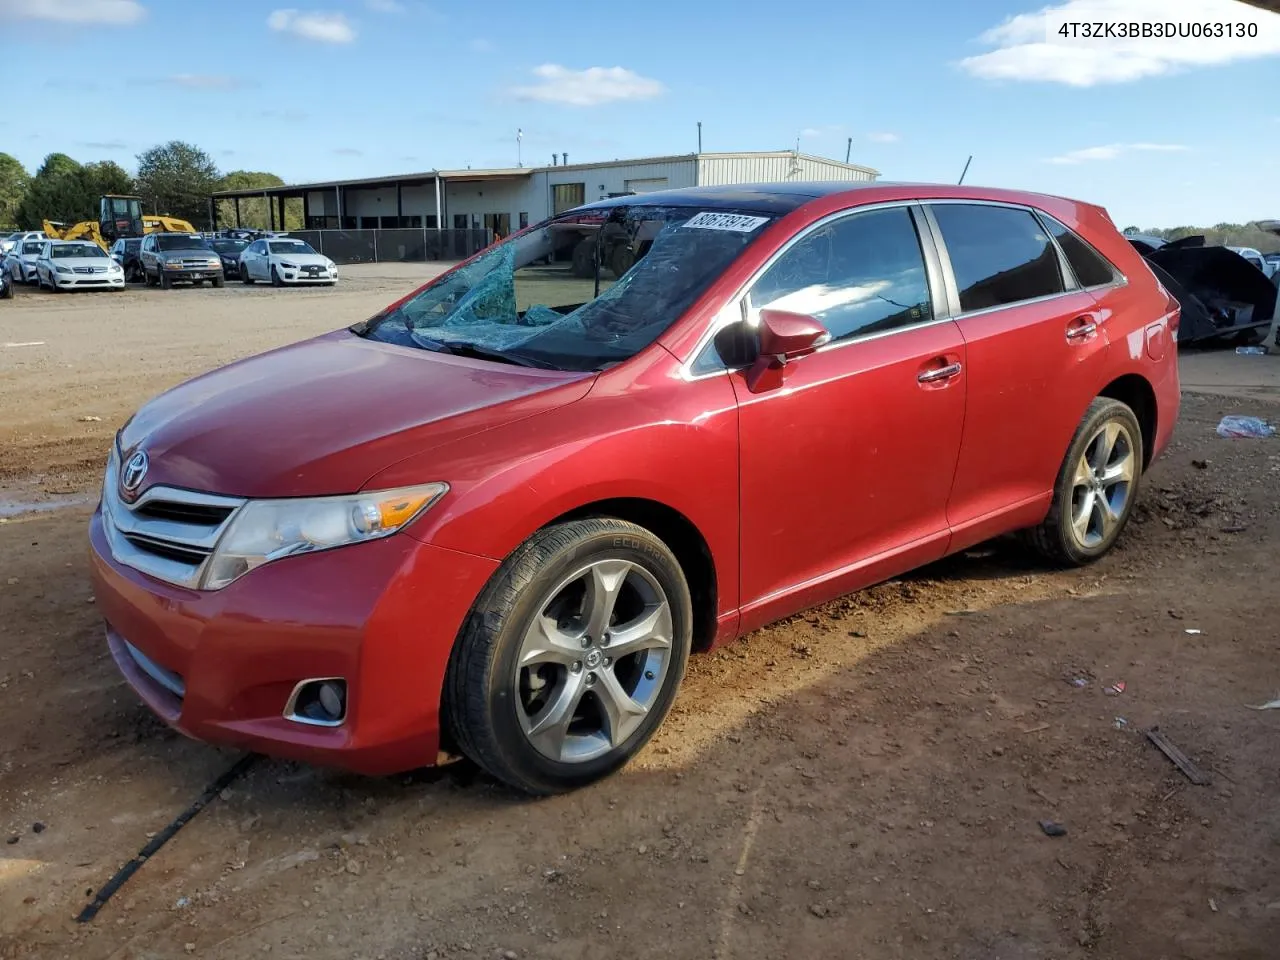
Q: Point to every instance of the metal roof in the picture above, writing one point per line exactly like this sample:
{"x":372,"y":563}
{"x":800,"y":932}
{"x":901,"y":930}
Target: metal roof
{"x":514,"y":173}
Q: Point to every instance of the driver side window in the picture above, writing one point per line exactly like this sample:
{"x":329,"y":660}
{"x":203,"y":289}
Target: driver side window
{"x":859,"y":275}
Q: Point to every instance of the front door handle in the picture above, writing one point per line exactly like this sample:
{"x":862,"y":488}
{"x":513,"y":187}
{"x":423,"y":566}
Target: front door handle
{"x":939,"y":373}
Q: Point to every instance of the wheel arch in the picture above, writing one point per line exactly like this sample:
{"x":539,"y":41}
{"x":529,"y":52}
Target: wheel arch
{"x":1136,"y":392}
{"x":684,"y":539}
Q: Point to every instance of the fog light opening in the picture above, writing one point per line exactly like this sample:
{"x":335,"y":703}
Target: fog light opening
{"x":321,"y":702}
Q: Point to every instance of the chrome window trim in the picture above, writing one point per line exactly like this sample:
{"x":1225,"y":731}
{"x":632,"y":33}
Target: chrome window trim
{"x":290,"y":707}
{"x":737,"y":302}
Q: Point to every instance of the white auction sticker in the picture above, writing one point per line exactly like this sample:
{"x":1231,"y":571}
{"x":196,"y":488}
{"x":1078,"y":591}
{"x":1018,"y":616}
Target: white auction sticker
{"x":737,"y":222}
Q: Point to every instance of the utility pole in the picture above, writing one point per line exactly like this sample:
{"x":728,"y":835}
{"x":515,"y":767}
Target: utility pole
{"x":699,"y":136}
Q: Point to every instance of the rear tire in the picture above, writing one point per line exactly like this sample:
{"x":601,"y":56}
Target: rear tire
{"x":532,"y":693}
{"x":1096,"y":488}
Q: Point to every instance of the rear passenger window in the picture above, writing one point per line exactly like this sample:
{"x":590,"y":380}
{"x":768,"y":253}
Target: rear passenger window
{"x":1091,"y":268}
{"x":858,"y":275}
{"x":999,"y":255}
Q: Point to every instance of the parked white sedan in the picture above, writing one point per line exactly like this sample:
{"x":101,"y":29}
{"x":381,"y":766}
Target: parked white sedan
{"x":286,"y":260}
{"x":77,"y":265}
{"x":20,"y":262}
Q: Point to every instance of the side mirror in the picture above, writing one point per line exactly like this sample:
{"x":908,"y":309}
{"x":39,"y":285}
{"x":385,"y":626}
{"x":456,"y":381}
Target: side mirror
{"x":784,"y":336}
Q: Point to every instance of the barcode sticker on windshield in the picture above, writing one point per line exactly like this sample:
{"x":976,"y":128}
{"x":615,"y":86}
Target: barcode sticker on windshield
{"x":737,"y":222}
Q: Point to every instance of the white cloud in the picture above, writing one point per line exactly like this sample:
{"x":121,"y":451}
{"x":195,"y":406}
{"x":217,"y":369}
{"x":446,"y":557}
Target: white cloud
{"x":586,"y":88}
{"x":318,"y":26}
{"x":349,"y":152}
{"x":828,"y":130}
{"x":205,"y":81}
{"x":481,"y":45}
{"x":385,"y":6}
{"x":883,"y":136}
{"x":115,"y":12}
{"x":1112,"y":151}
{"x":1028,"y":47}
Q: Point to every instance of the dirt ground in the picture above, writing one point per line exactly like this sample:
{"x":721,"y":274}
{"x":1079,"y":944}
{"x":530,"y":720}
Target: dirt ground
{"x":864,"y":780}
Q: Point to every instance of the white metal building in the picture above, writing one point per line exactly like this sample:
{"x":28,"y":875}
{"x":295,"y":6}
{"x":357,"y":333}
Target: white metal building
{"x":507,"y":199}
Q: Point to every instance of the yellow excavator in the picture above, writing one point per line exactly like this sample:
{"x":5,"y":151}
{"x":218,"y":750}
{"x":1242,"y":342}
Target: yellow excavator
{"x":118,"y":216}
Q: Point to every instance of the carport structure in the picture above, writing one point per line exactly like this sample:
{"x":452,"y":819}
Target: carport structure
{"x":414,"y":200}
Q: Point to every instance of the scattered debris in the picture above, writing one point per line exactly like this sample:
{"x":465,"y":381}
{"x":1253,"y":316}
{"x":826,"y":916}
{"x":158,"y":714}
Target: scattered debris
{"x":1045,"y":797}
{"x":89,"y":419}
{"x":1078,"y":682}
{"x":1036,"y":729}
{"x":12,"y":840}
{"x":1212,"y":903}
{"x":818,"y":910}
{"x":1269,"y":705}
{"x":1180,"y":759}
{"x":1200,"y":464}
{"x":1052,"y":828}
{"x":1250,"y":352}
{"x":1233,"y":426}
{"x":37,"y":827}
{"x":27,"y":343}
{"x":1115,"y":689}
{"x":1193,"y":631}
{"x":1120,"y":723}
{"x":183,"y":902}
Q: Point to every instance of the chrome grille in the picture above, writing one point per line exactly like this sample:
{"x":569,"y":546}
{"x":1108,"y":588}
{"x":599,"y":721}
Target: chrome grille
{"x":89,"y":269}
{"x":168,"y":533}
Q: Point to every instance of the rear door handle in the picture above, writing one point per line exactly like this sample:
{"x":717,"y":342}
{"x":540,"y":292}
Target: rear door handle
{"x":1081,"y":328}
{"x":939,"y":373}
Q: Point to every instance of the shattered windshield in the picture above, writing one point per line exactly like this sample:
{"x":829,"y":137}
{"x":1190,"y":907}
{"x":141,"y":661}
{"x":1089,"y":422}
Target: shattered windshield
{"x":580,"y":292}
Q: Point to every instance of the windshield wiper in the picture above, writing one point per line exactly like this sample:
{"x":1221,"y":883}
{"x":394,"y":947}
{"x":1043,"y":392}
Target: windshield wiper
{"x":464,"y":349}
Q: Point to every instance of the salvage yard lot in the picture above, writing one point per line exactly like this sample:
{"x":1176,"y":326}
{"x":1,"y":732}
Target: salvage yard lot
{"x":863,"y":780}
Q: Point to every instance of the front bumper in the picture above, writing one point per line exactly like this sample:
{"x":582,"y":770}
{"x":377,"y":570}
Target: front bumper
{"x":301,"y":276}
{"x":193,"y":273}
{"x":220,"y":666}
{"x":89,"y":281}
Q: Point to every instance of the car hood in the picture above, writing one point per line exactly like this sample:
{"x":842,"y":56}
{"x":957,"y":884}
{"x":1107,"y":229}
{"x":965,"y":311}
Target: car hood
{"x":104,"y":262}
{"x":185,"y":252}
{"x":303,"y":259}
{"x":324,"y":415}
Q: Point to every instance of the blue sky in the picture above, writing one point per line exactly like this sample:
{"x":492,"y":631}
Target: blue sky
{"x":1160,"y":133}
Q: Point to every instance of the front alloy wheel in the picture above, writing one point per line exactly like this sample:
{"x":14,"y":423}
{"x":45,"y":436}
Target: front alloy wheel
{"x":571,"y":656}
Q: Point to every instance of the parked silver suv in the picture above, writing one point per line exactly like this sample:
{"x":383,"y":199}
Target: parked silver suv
{"x":169,"y":257}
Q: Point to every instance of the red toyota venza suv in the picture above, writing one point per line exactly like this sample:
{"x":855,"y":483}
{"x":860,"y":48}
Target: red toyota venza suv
{"x":496,"y":518}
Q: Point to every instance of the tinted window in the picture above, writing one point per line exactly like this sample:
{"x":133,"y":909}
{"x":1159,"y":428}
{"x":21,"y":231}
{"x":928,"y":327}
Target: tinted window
{"x":999,"y":255}
{"x":296,"y":247}
{"x":1091,"y":268}
{"x":177,"y":241}
{"x":859,"y":275}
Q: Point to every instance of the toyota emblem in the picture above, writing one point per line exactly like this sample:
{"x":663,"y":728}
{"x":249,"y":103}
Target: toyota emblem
{"x":134,"y":472}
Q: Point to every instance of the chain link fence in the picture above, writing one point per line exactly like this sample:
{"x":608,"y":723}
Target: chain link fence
{"x":402,"y":245}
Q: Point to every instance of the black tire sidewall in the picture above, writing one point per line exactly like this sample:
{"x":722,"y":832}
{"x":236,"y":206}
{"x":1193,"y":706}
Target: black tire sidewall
{"x":522,"y":757}
{"x":1102,"y":414}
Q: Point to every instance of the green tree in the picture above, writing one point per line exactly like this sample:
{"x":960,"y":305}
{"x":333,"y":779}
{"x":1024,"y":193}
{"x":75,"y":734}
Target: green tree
{"x":108,"y":177}
{"x":57,"y":192}
{"x":175,"y":179}
{"x":14,"y":182}
{"x":253,"y":210}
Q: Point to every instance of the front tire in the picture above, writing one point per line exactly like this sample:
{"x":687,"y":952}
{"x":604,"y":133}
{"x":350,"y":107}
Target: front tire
{"x":275,"y":278}
{"x":219,"y":282}
{"x":244,"y":275}
{"x":571,"y":657}
{"x":1096,"y":488}
{"x":163,"y":279}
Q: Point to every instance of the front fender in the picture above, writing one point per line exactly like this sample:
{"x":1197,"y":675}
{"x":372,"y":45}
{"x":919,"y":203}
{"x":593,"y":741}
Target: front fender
{"x":671,"y":442}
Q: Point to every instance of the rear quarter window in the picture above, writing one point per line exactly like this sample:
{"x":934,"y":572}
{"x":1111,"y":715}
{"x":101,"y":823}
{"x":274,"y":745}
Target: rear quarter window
{"x":999,"y":255}
{"x":1091,"y":268}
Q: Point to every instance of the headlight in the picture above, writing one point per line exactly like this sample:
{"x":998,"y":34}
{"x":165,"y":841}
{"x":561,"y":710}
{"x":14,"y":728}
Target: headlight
{"x":266,"y":530}
{"x":172,"y":265}
{"x":214,"y":263}
{"x":289,"y":266}
{"x":61,"y":269}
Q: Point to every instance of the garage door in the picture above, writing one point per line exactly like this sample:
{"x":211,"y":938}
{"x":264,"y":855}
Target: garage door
{"x":646,"y":185}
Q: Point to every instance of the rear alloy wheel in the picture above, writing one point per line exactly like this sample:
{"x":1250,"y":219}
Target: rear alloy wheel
{"x":1097,"y":486}
{"x":576,"y":658}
